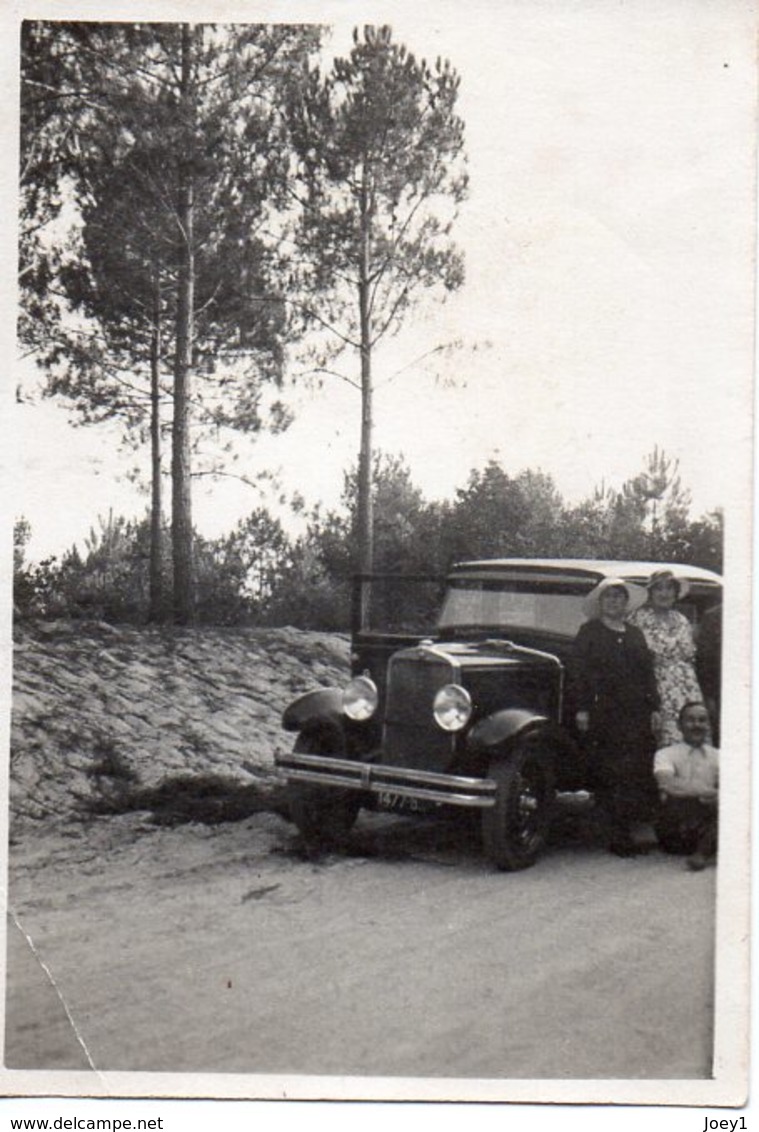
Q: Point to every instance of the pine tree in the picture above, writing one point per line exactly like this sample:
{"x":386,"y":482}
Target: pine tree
{"x":381,"y":166}
{"x":178,"y":158}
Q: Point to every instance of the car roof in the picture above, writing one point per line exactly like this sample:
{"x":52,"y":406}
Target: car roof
{"x":591,"y":568}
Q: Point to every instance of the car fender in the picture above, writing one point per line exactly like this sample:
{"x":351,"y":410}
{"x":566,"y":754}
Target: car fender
{"x":502,"y":726}
{"x":320,"y":708}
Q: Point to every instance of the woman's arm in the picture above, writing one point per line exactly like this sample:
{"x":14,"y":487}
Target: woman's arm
{"x":647,"y":675}
{"x":580,"y":676}
{"x":685,"y":641}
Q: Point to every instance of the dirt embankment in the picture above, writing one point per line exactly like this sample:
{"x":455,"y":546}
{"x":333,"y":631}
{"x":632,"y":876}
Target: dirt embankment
{"x":185,"y":723}
{"x":149,"y":931}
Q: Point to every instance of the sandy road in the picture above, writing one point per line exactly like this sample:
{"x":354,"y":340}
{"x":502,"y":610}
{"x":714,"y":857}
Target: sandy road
{"x":195,"y":949}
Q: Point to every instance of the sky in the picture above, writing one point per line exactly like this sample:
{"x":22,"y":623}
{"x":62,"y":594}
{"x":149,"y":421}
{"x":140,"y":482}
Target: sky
{"x":607,"y":307}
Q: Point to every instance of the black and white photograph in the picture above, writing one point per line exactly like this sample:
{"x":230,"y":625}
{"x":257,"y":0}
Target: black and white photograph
{"x":379,"y":487}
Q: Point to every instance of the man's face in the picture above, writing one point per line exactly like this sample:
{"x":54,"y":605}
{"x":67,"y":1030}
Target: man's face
{"x":695,"y":725}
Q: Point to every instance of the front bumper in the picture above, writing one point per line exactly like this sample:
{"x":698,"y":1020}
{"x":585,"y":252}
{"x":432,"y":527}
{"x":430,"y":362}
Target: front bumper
{"x":377,"y":778}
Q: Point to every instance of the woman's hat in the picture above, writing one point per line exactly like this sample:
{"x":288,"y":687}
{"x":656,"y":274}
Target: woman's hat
{"x":635,"y":596}
{"x":669,"y":576}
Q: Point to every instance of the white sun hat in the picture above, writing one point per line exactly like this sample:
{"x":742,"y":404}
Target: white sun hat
{"x":636,"y":596}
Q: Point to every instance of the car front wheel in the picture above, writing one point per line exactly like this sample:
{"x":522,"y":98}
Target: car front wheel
{"x":324,"y":815}
{"x":515,"y":829}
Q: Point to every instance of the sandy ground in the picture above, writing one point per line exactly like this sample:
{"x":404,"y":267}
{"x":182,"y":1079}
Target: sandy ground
{"x":193,"y":947}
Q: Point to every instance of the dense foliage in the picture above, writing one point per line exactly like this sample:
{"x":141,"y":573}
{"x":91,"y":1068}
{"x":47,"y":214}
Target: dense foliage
{"x":260,"y":574}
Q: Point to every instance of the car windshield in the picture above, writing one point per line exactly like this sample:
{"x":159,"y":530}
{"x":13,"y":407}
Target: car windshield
{"x":514,"y":605}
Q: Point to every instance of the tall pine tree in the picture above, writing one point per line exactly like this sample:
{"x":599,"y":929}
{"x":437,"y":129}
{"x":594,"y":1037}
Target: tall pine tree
{"x":381,"y":164}
{"x":178,"y":158}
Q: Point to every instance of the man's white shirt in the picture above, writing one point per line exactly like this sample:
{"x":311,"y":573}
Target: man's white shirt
{"x":696,"y":768}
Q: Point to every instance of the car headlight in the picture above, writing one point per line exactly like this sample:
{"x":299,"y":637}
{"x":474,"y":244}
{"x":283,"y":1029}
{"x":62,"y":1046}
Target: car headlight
{"x":452,"y":707}
{"x":360,"y":698}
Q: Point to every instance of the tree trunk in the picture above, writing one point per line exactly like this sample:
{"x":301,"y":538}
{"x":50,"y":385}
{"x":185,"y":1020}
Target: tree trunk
{"x":156,"y":609}
{"x":365,"y":509}
{"x":181,"y":513}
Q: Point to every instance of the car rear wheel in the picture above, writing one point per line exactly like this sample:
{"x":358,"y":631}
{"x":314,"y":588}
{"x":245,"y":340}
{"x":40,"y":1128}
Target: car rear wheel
{"x":324,"y":815}
{"x":515,"y":829}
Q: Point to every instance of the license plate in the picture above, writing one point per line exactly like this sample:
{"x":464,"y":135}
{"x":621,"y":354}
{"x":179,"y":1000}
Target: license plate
{"x":399,"y":803}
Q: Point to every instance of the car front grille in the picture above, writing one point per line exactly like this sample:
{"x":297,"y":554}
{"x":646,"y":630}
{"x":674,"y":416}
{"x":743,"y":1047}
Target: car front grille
{"x":411,"y":736}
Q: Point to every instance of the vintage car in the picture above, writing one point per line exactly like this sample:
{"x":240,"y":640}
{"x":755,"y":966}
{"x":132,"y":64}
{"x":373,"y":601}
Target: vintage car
{"x":475,"y":714}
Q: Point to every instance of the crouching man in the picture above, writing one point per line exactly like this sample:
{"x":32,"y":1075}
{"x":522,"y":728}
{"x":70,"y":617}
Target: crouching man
{"x":687,"y":775}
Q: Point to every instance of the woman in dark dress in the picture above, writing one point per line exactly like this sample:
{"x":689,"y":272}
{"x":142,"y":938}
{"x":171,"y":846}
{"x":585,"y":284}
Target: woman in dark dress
{"x":617,"y":708}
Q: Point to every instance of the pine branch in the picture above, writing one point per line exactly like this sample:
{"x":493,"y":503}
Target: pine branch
{"x":217,"y":472}
{"x":330,"y":373}
{"x":126,"y":72}
{"x":377,"y":276}
{"x":440,"y":348}
{"x":388,"y":321}
{"x":322,"y":322}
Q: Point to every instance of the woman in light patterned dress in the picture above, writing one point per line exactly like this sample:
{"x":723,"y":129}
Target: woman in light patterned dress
{"x":670,"y":640}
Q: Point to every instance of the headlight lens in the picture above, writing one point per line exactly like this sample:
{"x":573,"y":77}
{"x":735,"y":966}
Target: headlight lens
{"x":360,"y":698}
{"x":452,"y":707}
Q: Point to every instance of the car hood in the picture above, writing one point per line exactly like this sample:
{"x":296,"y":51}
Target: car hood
{"x":476,"y":654}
